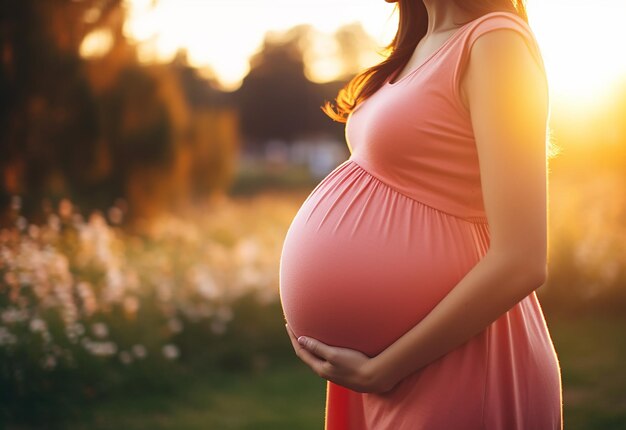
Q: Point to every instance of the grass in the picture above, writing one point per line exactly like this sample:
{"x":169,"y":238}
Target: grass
{"x":592,"y":352}
{"x":591,"y":349}
{"x":285,"y":397}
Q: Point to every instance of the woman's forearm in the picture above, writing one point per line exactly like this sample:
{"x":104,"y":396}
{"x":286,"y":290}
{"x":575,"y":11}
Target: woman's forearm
{"x":490,"y":289}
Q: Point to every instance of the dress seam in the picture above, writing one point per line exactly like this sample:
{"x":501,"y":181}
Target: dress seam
{"x":471,"y":220}
{"x":482,"y":414}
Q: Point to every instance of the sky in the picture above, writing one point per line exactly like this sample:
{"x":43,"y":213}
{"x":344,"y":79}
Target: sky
{"x":581,"y":40}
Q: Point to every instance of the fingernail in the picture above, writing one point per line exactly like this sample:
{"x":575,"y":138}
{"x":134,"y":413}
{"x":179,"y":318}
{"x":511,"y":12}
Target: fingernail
{"x":302,"y":340}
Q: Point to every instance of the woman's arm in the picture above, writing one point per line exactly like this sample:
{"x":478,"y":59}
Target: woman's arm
{"x":508,"y":101}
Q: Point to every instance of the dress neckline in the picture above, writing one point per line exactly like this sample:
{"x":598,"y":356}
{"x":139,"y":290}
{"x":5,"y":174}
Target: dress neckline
{"x":427,"y":60}
{"x":440,"y":48}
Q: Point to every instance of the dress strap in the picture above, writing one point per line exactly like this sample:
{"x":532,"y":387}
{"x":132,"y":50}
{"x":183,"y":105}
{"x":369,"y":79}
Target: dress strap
{"x":493,"y":21}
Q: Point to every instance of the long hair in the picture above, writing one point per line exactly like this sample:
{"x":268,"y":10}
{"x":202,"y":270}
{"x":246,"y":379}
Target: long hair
{"x":412,"y":26}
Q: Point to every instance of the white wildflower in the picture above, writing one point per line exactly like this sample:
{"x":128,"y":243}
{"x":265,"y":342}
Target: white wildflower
{"x":38,"y":325}
{"x":250,"y":277}
{"x":139,"y":351}
{"x":101,"y":348}
{"x":54,"y":222}
{"x":205,"y":283}
{"x":71,"y":334}
{"x":33,"y":231}
{"x":114,"y":284}
{"x":79,"y":329}
{"x":61,"y":265}
{"x":13,"y":315}
{"x":21,"y":223}
{"x":87,"y":296}
{"x":247,"y":251}
{"x":100,"y":330}
{"x":6,"y":337}
{"x":170,"y":351}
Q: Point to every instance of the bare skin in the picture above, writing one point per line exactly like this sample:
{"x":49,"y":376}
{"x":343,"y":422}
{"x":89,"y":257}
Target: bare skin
{"x":444,"y":19}
{"x":505,"y":90}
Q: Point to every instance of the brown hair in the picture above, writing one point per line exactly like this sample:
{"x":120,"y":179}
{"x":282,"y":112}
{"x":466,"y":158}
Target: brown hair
{"x":412,"y":26}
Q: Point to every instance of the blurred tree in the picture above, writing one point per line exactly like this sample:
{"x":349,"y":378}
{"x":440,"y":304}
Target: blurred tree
{"x":357,"y":49}
{"x":214,"y":131}
{"x":136,"y":125}
{"x":47,"y":113}
{"x":278,"y":102}
{"x":275,"y":98}
{"x":81,"y":118}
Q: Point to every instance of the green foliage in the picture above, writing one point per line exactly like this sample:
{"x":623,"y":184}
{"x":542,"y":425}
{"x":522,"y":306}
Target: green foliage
{"x":87,"y":310}
{"x":254,"y":178}
{"x":281,"y":397}
{"x":288,"y":395}
{"x":591,"y":351}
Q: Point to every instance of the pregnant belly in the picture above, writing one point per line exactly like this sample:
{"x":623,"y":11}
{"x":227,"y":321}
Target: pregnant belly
{"x":361,"y":263}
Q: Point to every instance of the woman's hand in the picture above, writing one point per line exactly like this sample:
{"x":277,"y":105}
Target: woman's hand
{"x":343,"y":366}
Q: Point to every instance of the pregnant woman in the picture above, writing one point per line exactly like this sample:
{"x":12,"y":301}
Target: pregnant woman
{"x":408,"y":276}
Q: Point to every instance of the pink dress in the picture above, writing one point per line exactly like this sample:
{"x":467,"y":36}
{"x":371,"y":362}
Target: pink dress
{"x":388,"y":233}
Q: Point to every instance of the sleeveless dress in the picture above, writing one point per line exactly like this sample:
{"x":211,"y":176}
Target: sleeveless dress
{"x":388,"y":233}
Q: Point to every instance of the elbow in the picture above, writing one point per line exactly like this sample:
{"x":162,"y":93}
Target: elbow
{"x":532,"y":275}
{"x":525,"y":271}
{"x":538,"y":275}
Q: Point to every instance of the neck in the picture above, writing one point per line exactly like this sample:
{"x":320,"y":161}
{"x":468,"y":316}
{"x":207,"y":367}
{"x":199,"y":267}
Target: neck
{"x":444,"y":15}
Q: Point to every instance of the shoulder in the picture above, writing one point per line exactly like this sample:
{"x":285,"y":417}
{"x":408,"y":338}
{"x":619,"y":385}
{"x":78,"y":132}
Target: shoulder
{"x":503,"y":35}
{"x":502,"y":47}
{"x":499,"y":20}
{"x":502,"y":51}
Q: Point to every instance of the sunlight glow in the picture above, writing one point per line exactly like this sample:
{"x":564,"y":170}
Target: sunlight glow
{"x":223,"y":34}
{"x":582,"y":45}
{"x":96,"y":44}
{"x":580,"y":41}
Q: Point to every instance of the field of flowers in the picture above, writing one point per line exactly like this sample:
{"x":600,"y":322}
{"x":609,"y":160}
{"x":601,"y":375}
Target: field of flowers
{"x":89,"y":307}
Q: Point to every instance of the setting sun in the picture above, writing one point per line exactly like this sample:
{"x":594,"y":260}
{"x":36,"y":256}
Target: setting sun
{"x":582,"y":44}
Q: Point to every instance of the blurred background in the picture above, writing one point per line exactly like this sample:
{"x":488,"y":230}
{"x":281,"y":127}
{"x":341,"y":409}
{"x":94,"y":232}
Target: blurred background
{"x":152,"y":156}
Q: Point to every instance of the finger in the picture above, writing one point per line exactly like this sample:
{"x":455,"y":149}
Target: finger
{"x":294,"y":342}
{"x":318,"y":348}
{"x":314,"y":362}
{"x":318,"y":365}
